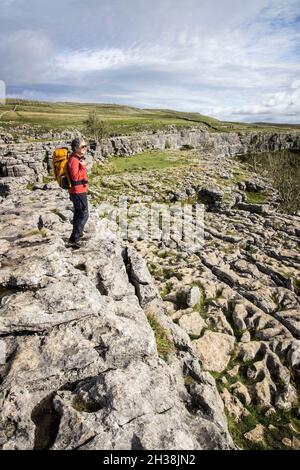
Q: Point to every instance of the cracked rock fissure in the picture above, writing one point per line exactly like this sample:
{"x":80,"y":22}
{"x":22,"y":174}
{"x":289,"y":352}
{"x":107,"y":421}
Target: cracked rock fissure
{"x":46,"y":420}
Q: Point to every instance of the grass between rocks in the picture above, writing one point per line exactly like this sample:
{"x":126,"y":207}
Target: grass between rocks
{"x":30,"y":186}
{"x":201,"y":306}
{"x":256,"y":198}
{"x":166,"y":290}
{"x":154,"y":160}
{"x":45,"y":180}
{"x":163,"y":342}
{"x":279,"y":427}
{"x":151,"y":176}
{"x":48,"y":179}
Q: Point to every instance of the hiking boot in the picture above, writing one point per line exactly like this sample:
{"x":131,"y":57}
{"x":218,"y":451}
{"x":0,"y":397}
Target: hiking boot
{"x":74,"y":245}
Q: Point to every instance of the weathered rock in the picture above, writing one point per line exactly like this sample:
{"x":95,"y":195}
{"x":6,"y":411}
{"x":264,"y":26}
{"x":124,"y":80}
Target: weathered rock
{"x":217,"y":320}
{"x":246,"y":337}
{"x":214,"y":350}
{"x":205,"y":399}
{"x":257,"y":434}
{"x":241,"y":391}
{"x":253,"y":208}
{"x":263,"y":392}
{"x":295,"y":443}
{"x":251,"y":351}
{"x":192,"y":323}
{"x":211,"y":196}
{"x":239,"y":314}
{"x":140,"y":277}
{"x":234,"y":407}
{"x":193,"y":296}
{"x":290,"y":319}
{"x":81,"y":368}
{"x":293,"y":354}
{"x":74,"y":323}
{"x":234,"y":371}
{"x":177,"y":314}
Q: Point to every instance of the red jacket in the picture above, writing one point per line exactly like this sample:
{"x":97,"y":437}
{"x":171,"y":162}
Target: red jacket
{"x":77,"y":171}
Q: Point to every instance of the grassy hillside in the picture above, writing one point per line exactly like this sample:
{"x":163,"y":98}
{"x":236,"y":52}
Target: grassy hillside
{"x":121,"y":119}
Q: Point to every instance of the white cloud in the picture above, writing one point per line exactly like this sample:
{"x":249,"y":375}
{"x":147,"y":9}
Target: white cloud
{"x":24,"y":56}
{"x":283,"y":103}
{"x":225,"y":57}
{"x":232,"y":61}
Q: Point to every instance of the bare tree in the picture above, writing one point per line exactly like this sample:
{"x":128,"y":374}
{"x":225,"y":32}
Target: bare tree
{"x":95,"y":127}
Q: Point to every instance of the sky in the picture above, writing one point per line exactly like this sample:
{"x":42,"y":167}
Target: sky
{"x":231,"y":59}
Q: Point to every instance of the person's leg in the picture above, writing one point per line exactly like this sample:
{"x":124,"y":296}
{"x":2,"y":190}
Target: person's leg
{"x":84,"y":213}
{"x":81,"y":215}
{"x":75,"y":235}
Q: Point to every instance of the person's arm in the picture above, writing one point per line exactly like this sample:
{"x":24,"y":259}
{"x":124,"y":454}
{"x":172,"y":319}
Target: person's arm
{"x":73,"y":166}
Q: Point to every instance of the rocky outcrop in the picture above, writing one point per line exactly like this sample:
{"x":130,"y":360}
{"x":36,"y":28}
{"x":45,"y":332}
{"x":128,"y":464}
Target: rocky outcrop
{"x":218,"y":143}
{"x":24,"y":132}
{"x":32,"y":160}
{"x":80,"y":330}
{"x":244,"y":325}
{"x":79,"y":363}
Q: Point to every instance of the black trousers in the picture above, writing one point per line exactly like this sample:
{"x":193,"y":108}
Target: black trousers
{"x":81,"y":215}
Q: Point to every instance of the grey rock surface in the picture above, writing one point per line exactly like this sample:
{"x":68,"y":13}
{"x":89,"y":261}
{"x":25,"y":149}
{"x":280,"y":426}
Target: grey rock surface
{"x":33,"y":159}
{"x":75,"y":325}
{"x":81,"y":369}
{"x":214,"y":350}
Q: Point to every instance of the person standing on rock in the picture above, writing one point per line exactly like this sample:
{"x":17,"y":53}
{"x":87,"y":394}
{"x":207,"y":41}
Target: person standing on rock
{"x":78,"y":191}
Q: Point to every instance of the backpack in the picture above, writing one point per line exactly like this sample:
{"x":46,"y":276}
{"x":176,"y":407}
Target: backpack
{"x":60,"y":159}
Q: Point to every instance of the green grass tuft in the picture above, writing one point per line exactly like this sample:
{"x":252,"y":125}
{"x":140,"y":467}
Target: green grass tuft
{"x":30,"y":186}
{"x":163,"y":342}
{"x":166,"y":290}
{"x":256,"y":198}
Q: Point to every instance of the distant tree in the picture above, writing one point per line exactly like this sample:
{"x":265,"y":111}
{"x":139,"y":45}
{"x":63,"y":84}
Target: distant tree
{"x":95,"y":127}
